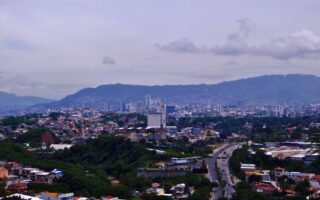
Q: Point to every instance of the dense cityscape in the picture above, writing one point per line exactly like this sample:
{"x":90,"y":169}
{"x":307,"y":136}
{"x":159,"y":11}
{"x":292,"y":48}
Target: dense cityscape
{"x":159,"y":151}
{"x":159,"y":100}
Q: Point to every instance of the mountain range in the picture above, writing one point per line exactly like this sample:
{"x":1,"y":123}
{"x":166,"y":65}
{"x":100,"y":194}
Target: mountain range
{"x":11,"y":102}
{"x":270,"y":89}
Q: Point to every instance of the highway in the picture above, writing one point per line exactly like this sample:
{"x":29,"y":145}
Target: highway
{"x":221,"y":157}
{"x":223,"y":167}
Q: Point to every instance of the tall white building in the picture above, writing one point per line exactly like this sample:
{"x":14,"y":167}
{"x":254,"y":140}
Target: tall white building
{"x":159,"y":119}
{"x":154,"y":120}
{"x":147,"y":101}
{"x":163,"y":111}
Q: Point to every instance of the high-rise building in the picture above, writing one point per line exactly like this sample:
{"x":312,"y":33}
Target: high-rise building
{"x":147,"y":101}
{"x":123,"y":107}
{"x":154,"y":120}
{"x":158,"y":119}
{"x":163,"y":111}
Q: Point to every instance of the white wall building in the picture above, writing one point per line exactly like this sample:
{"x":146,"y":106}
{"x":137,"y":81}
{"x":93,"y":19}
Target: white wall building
{"x":24,"y":197}
{"x":156,"y":120}
{"x":278,"y":172}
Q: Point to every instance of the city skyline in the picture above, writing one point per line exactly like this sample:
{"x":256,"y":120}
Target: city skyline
{"x":159,"y":100}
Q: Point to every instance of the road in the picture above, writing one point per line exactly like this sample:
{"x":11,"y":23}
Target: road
{"x":223,"y":167}
{"x":224,"y":151}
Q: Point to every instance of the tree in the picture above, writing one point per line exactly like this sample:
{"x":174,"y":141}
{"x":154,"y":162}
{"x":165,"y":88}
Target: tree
{"x":254,"y":178}
{"x":33,"y":136}
{"x":239,"y":156}
{"x":2,"y":189}
{"x":54,"y":115}
{"x":12,"y":198}
{"x":302,"y":188}
{"x":285,"y":183}
{"x":204,"y":167}
{"x":13,"y":121}
{"x":244,"y":192}
{"x":200,"y":194}
{"x":54,"y":187}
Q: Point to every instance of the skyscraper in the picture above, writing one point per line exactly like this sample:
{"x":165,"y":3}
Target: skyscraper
{"x":147,"y":101}
{"x":163,"y":111}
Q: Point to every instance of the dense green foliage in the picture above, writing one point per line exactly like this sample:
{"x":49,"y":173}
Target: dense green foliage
{"x":86,"y":167}
{"x":238,"y":156}
{"x":33,"y":136}
{"x":115,"y":155}
{"x":2,"y":190}
{"x":55,"y":115}
{"x":183,"y":148}
{"x":74,"y":174}
{"x":54,"y":187}
{"x":244,"y":192}
{"x":13,"y":121}
{"x":254,"y":178}
{"x":302,"y":188}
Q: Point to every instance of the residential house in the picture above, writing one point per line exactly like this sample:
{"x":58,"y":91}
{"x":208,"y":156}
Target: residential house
{"x":278,"y":172}
{"x":24,"y":197}
{"x":4,"y":173}
{"x":265,"y":187}
{"x":180,"y":191}
{"x":264,"y":174}
{"x":56,"y":196}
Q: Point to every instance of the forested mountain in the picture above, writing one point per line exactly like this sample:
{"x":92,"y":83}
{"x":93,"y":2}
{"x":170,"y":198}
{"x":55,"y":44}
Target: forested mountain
{"x":271,"y":89}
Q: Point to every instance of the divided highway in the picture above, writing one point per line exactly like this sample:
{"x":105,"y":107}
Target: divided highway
{"x":219,"y":162}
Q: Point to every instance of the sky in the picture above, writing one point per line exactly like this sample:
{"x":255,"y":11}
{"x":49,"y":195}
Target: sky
{"x":52,"y":48}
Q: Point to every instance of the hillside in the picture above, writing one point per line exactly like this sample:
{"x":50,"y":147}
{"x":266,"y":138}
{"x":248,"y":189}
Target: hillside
{"x":272,"y":89}
{"x":11,"y":102}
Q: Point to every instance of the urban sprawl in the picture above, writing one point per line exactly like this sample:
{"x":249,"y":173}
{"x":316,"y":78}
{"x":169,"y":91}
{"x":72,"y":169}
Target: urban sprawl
{"x":153,"y":150}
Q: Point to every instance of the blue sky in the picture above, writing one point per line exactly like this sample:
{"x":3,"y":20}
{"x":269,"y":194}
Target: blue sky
{"x":53,"y":48}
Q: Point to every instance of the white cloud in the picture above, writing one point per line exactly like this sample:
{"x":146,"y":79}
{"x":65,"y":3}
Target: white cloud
{"x":300,"y":44}
{"x":237,"y":42}
{"x":182,"y":46}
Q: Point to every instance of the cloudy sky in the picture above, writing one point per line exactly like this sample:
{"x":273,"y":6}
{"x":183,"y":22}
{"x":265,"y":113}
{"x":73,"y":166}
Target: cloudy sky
{"x":52,"y":48}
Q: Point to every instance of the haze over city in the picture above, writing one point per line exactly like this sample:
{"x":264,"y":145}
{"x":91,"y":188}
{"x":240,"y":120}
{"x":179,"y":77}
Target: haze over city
{"x":54,"y":48}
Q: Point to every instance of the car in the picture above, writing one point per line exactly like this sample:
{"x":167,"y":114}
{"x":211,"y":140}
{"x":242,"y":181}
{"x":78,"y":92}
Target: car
{"x":215,"y":184}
